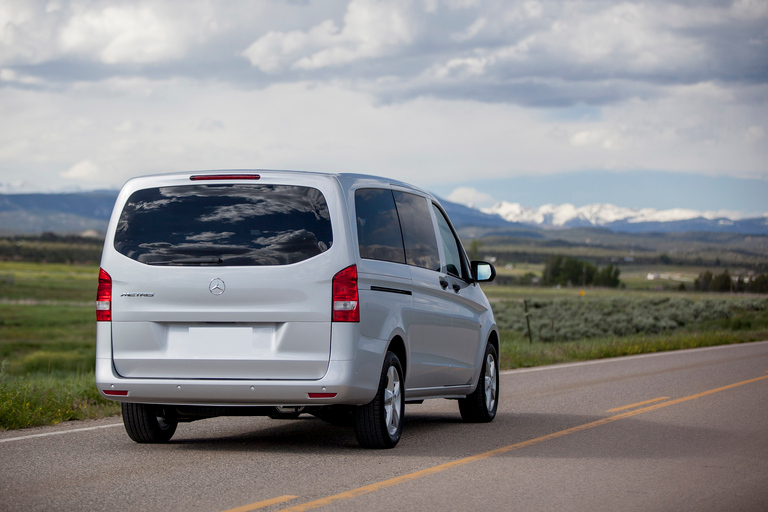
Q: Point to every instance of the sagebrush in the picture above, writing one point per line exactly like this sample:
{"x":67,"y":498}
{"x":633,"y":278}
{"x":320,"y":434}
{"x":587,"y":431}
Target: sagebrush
{"x":586,"y":318}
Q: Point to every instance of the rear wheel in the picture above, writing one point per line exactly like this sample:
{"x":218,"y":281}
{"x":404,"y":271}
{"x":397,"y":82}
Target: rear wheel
{"x":379,"y":423}
{"x":481,"y":405}
{"x":146,"y":423}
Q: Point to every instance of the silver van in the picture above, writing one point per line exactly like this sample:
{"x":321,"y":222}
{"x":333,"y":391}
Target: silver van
{"x":281,"y":293}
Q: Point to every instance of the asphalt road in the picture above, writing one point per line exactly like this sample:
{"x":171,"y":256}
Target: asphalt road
{"x":675,"y":431}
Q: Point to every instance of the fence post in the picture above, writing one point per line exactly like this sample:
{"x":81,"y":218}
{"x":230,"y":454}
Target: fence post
{"x":528,"y":321}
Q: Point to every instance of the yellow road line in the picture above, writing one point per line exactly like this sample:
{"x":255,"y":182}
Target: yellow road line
{"x":262,"y":504}
{"x":499,"y":451}
{"x":638,"y":404}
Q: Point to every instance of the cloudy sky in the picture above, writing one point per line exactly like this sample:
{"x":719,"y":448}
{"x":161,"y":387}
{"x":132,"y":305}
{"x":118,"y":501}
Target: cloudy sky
{"x":655,"y":103}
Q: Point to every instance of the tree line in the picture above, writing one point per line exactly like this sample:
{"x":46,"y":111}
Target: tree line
{"x":50,"y":248}
{"x":724,"y":282}
{"x":567,"y":271}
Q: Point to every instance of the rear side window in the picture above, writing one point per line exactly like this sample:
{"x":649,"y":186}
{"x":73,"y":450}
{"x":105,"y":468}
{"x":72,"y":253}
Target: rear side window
{"x":418,"y":231}
{"x":378,"y":227}
{"x":396,"y":226}
{"x":235,"y":225}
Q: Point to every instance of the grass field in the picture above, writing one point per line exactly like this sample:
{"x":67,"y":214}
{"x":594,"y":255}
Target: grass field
{"x":47,"y":332}
{"x":48,"y":345}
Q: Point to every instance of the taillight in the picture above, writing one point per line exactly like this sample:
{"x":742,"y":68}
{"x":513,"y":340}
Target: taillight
{"x":104,"y":297}
{"x":346,"y":306}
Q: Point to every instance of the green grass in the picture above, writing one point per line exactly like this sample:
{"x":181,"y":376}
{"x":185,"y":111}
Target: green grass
{"x":495,"y":292}
{"x":48,"y":399}
{"x":48,"y":345}
{"x":48,"y":282}
{"x":42,"y":338}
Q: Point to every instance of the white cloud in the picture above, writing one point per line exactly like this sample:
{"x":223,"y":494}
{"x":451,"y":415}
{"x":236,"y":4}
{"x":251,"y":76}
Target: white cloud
{"x":471,"y":197}
{"x":423,"y":141}
{"x":750,"y":9}
{"x":10,"y":75}
{"x":123,"y":33}
{"x":755,"y":134}
{"x":85,"y":170}
{"x":595,"y":39}
{"x":137,"y":32}
{"x":26,"y":32}
{"x":471,"y":31}
{"x":426,"y":91}
{"x":371,"y":28}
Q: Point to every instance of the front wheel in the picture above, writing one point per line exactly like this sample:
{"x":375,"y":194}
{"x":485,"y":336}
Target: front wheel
{"x":146,"y":423}
{"x":481,"y":405}
{"x":379,"y":423}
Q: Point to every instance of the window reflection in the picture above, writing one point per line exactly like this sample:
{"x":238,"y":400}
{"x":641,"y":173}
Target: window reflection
{"x":224,"y":224}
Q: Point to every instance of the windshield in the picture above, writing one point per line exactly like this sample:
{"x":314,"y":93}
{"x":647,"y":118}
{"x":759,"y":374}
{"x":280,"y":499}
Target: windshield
{"x":224,"y":225}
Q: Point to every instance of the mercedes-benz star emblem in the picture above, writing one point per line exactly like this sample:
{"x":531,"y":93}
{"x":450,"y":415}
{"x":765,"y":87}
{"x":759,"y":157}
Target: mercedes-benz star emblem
{"x":217,"y":286}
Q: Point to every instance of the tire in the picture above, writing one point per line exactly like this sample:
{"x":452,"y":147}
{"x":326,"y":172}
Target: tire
{"x":146,"y":423}
{"x":379,"y":423}
{"x":482,"y":404}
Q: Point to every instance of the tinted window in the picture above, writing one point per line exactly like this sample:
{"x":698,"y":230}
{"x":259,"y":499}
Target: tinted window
{"x":451,"y":247}
{"x":378,"y":227}
{"x":224,"y":224}
{"x":418,"y":231}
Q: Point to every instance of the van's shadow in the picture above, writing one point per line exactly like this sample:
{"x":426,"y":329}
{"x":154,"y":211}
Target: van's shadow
{"x":445,"y":434}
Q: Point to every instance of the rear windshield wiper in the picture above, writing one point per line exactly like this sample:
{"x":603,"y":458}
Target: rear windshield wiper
{"x":207,"y":260}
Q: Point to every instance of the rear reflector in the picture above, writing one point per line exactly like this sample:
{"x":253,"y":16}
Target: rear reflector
{"x":209,"y":177}
{"x":104,"y":297}
{"x":322,"y":395}
{"x":346,"y":307}
{"x":114,"y":392}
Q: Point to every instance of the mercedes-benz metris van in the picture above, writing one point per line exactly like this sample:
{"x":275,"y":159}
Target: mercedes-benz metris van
{"x":281,"y":293}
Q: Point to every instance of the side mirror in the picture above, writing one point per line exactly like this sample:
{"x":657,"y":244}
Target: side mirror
{"x":483,"y":272}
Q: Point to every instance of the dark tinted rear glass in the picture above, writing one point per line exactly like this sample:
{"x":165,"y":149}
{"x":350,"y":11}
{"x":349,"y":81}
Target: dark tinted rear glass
{"x":224,"y":225}
{"x":378,"y":228}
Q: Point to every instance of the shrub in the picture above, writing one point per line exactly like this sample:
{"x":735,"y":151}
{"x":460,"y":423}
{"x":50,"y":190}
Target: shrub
{"x":579,"y":318}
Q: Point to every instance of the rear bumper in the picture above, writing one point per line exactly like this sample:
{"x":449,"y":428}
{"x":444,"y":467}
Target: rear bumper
{"x":342,"y":379}
{"x":353,"y":375}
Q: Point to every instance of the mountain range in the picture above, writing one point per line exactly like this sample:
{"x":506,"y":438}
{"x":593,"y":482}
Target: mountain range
{"x":22,"y":214}
{"x":628,"y":220}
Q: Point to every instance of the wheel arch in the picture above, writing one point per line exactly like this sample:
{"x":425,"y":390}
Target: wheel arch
{"x":397,"y":346}
{"x":493,"y":339}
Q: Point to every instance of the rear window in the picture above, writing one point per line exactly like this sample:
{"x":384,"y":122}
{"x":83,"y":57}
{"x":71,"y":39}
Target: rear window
{"x":234,"y":225}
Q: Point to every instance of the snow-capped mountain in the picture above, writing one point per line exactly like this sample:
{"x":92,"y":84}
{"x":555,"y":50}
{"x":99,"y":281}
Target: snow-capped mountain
{"x":605,"y":215}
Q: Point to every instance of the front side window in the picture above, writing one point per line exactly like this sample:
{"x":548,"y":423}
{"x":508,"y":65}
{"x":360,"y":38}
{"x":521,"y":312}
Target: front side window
{"x":453,"y":261}
{"x":418,"y":231}
{"x":234,"y":225}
